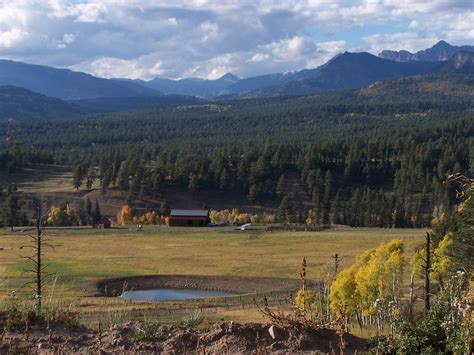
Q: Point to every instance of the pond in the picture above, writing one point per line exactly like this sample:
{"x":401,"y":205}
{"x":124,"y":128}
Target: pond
{"x":171,"y":294}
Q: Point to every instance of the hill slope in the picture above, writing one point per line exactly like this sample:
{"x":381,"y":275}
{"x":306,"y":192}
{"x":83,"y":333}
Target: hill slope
{"x":67,"y":84}
{"x":19,"y":103}
{"x":460,"y":63}
{"x":23,"y":104}
{"x":192,"y":86}
{"x":117,"y":104}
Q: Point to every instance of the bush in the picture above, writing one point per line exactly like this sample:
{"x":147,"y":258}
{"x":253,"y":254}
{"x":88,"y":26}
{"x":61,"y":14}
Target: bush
{"x":17,"y":317}
{"x":193,"y":320}
{"x":149,"y":331}
{"x":445,"y":328}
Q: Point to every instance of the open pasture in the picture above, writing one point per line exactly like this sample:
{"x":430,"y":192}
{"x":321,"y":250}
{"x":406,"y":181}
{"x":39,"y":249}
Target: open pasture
{"x":82,"y":256}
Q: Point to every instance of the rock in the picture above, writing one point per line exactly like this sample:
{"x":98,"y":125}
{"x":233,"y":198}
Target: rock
{"x":274,"y":332}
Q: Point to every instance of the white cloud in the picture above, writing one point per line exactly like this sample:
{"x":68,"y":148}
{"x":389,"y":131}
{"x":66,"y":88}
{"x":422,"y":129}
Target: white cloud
{"x":409,"y":41}
{"x":90,"y":12}
{"x":259,"y":57}
{"x":176,"y":38}
{"x":11,"y":38}
{"x":413,"y":24}
{"x":107,"y":67}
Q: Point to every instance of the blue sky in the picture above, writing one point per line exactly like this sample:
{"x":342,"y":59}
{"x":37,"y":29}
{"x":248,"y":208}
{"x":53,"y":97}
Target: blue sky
{"x":204,"y":38}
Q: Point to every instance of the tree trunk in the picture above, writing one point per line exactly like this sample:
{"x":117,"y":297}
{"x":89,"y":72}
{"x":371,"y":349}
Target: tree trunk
{"x":412,"y":296}
{"x":427,"y":272}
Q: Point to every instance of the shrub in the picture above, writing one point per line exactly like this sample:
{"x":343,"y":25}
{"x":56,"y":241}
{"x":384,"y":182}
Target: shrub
{"x":149,"y":331}
{"x":193,"y":320}
{"x":17,"y":316}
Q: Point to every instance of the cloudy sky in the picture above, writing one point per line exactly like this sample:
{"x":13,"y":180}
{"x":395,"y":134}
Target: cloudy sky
{"x":207,"y":38}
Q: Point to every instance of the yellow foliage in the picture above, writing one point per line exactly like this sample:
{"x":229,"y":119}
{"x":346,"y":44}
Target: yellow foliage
{"x":62,"y":217}
{"x":306,"y":302}
{"x":442,"y":261}
{"x":150,"y":218}
{"x":229,"y":217}
{"x":344,"y":297}
{"x":269,"y":219}
{"x":310,"y":218}
{"x":255,"y":218}
{"x":417,"y":262}
{"x":125,"y":216}
{"x":376,"y":274}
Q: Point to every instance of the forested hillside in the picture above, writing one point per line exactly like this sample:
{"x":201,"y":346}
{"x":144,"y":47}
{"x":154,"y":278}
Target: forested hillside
{"x":359,"y":157}
{"x":19,"y":103}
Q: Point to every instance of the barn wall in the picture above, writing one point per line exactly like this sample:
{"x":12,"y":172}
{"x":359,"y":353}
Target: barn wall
{"x":182,"y":222}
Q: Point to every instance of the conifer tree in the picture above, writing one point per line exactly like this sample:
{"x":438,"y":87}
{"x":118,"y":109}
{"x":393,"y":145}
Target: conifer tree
{"x":11,"y":208}
{"x":253,"y":193}
{"x":284,"y":211}
{"x":89,"y":210}
{"x":97,"y":214}
{"x":280,"y":188}
{"x":326,"y":203}
{"x":77,"y":177}
{"x":91,"y":176}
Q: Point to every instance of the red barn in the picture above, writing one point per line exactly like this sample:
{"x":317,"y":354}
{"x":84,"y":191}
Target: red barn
{"x":189,"y":218}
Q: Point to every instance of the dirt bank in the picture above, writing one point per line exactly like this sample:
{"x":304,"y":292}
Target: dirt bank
{"x":138,"y":337}
{"x":232,"y":284}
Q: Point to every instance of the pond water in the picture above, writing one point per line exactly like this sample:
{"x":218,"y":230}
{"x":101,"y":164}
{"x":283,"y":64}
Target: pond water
{"x":168,"y":294}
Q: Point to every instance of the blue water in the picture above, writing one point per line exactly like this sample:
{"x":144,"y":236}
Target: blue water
{"x":168,"y":294}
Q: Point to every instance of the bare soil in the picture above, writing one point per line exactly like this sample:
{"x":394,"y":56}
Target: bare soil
{"x":223,"y":338}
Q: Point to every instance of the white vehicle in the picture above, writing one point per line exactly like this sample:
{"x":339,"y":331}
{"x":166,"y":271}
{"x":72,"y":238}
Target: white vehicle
{"x":245,"y":226}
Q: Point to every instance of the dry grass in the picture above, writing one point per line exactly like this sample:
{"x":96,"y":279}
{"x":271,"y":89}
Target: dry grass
{"x":82,"y":256}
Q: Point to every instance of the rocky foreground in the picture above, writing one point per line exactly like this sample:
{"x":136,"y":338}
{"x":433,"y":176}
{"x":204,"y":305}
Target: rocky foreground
{"x":141,"y":337}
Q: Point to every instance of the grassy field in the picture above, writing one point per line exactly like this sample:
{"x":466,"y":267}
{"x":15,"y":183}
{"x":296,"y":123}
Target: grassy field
{"x":82,"y":256}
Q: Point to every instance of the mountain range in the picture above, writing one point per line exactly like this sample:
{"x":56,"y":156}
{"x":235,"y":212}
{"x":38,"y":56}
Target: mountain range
{"x":347,"y":70}
{"x":439,"y":52}
{"x":66,"y":84}
{"x":33,"y":91}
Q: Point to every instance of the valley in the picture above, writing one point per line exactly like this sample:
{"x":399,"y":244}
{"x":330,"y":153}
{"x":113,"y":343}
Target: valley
{"x":334,"y":204}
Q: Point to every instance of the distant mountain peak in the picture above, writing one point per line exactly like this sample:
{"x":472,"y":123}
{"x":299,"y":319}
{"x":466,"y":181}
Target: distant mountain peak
{"x":439,"y":52}
{"x":229,"y":77}
{"x":441,"y":44}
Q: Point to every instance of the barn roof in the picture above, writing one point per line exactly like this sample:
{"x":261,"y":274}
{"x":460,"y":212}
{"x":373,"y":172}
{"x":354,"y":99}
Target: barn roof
{"x":193,"y":213}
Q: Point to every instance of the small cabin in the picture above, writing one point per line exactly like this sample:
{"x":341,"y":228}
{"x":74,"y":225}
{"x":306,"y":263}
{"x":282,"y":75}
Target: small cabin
{"x":189,"y":218}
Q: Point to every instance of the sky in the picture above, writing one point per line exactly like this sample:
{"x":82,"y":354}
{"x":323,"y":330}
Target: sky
{"x":204,"y":38}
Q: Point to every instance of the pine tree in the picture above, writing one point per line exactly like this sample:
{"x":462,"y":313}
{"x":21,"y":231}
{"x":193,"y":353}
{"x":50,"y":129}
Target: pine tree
{"x":11,"y":208}
{"x":284,"y":211}
{"x":97,"y":215}
{"x":164,"y":208}
{"x":224,"y":180}
{"x":89,"y":210}
{"x":77,"y":177}
{"x":91,"y":176}
{"x":317,"y":198}
{"x":280,"y":188}
{"x":123,"y":177}
{"x":326,"y":203}
{"x":253,"y":193}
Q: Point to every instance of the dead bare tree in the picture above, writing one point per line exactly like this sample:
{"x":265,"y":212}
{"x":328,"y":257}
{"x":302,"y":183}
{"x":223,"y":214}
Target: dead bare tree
{"x":466,"y":184}
{"x":39,"y":243}
{"x":336,"y":263}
